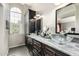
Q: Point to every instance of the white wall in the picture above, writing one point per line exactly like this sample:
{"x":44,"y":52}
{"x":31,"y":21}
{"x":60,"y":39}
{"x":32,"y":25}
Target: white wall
{"x":3,"y":31}
{"x":49,"y":20}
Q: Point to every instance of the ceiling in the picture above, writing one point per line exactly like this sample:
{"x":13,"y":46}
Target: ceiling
{"x":42,"y":7}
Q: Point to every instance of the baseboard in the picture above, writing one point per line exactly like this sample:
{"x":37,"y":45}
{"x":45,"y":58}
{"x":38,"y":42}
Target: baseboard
{"x":17,"y":45}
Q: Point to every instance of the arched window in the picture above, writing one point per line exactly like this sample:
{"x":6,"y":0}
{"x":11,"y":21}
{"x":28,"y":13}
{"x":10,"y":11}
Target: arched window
{"x":15,"y":20}
{"x":15,"y":9}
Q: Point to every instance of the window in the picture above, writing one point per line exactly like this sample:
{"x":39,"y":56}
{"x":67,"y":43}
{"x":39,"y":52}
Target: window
{"x":15,"y":20}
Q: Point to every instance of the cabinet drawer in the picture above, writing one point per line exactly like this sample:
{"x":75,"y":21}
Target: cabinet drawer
{"x":36,"y":43}
{"x":37,"y":48}
{"x":59,"y":53}
{"x":36,"y":53}
{"x":49,"y":51}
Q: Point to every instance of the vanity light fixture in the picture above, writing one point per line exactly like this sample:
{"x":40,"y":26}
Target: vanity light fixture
{"x":38,"y":16}
{"x":32,"y":20}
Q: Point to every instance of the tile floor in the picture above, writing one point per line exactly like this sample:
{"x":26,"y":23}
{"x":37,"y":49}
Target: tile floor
{"x":19,"y":51}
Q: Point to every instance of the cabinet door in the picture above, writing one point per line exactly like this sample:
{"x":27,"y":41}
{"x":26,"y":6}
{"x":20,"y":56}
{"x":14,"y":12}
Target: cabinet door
{"x":37,"y":43}
{"x":29,"y":43}
{"x":48,"y":51}
{"x":26,"y":38}
{"x":59,"y":53}
{"x":36,"y":53}
{"x":36,"y":47}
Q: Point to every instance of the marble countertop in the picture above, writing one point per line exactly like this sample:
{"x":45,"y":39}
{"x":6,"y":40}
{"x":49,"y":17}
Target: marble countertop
{"x":66,"y":48}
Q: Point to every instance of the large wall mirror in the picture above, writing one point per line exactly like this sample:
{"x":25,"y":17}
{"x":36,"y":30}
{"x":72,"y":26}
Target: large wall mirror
{"x":67,"y":19}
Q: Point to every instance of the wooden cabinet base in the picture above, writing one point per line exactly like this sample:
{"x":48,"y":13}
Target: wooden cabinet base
{"x":37,"y":48}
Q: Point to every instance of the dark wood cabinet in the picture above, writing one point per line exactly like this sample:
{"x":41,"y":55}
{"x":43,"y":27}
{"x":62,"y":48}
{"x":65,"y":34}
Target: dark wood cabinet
{"x":59,"y":53}
{"x":37,"y":48}
{"x":33,"y":46}
{"x":48,"y":51}
{"x":29,"y":44}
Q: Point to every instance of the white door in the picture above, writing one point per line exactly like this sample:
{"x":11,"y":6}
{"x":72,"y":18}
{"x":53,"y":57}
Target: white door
{"x":16,"y":28}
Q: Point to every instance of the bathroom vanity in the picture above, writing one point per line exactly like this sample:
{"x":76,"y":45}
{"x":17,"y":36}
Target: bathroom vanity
{"x":40,"y":46}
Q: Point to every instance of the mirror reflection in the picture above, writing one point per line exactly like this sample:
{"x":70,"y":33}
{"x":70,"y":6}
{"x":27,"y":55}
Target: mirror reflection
{"x":67,"y":19}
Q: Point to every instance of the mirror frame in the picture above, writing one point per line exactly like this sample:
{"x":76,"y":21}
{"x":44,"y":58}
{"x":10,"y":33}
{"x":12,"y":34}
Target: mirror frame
{"x":56,"y":20}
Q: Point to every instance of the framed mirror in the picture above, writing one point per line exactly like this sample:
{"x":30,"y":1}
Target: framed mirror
{"x":67,"y":19}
